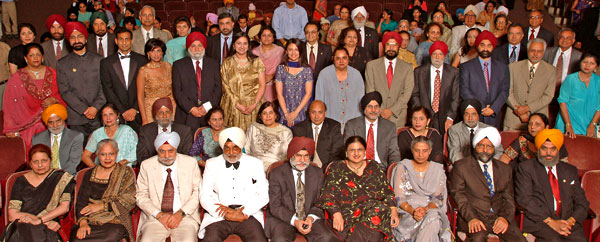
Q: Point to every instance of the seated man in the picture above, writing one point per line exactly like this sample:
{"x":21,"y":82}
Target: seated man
{"x":234,"y":192}
{"x":460,"y":135}
{"x":554,"y":210}
{"x":168,"y":188}
{"x":483,"y":189}
{"x":66,"y":144}
{"x":287,"y":216}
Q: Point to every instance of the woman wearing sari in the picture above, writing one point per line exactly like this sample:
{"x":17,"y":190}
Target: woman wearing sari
{"x":358,"y":197}
{"x":206,"y":145}
{"x":420,"y":188}
{"x":37,"y":199}
{"x":270,"y":54}
{"x":105,"y":199}
{"x":420,"y":126}
{"x":28,"y":92}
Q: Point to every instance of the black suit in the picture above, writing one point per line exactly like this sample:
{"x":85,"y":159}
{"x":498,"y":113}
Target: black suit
{"x":534,"y":194}
{"x":371,"y":42}
{"x":92,"y":45}
{"x":185,"y":89}
{"x":322,"y":59}
{"x":449,"y":94}
{"x":148,"y":133}
{"x":501,"y":53}
{"x":282,"y":204}
{"x":330,"y":145}
{"x":542,"y":34}
{"x":213,"y":47}
{"x":113,"y":84}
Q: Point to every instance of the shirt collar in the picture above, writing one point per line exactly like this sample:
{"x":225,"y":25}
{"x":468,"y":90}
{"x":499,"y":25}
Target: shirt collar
{"x":535,"y":66}
{"x":368,"y":123}
{"x":566,"y":52}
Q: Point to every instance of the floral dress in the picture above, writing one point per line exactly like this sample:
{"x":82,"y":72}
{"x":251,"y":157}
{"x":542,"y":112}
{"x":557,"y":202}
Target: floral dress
{"x":362,"y":199}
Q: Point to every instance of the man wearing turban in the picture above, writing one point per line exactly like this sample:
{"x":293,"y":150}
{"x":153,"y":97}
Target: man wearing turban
{"x":380,"y":133}
{"x":78,"y":78}
{"x":234,"y":192}
{"x":368,"y":37}
{"x":482,"y":186}
{"x":56,"y":47}
{"x":228,"y":8}
{"x":168,"y":188}
{"x":66,"y":144}
{"x":437,"y":88}
{"x":486,"y":79}
{"x":196,"y":83}
{"x":101,"y":42}
{"x":550,"y":192}
{"x":458,"y":32}
{"x":393,"y":78}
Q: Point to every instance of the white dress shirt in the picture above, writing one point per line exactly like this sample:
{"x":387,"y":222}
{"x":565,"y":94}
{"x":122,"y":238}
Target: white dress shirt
{"x":125,"y":67}
{"x":566,"y":60}
{"x":490,"y":170}
{"x":315,"y":51}
{"x":295,"y":174}
{"x":432,"y":75}
{"x":160,"y":129}
{"x":367,"y":125}
{"x":176,"y":197}
{"x":555,"y":175}
{"x":313,"y":125}
{"x":145,"y":32}
{"x":386,"y":62}
{"x":57,"y":43}
{"x":207,"y":105}
{"x":535,"y":31}
{"x":362,"y":36}
{"x":104,"y":40}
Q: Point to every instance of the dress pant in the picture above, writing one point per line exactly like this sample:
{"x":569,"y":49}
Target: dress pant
{"x":249,"y":230}
{"x":361,"y":233}
{"x":285,"y":232}
{"x":102,"y":233}
{"x":154,"y":231}
{"x":9,"y":17}
{"x":512,"y":234}
{"x":545,"y":233}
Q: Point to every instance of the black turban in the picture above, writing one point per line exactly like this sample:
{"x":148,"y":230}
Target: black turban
{"x":367,"y":98}
{"x":470,"y":102}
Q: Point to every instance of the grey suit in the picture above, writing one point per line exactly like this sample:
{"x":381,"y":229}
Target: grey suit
{"x":50,"y":52}
{"x":536,"y":95}
{"x":70,"y":148}
{"x":139,"y":40}
{"x":550,"y":57}
{"x":395,"y":98}
{"x":459,"y":142}
{"x":92,"y":45}
{"x":386,"y":143}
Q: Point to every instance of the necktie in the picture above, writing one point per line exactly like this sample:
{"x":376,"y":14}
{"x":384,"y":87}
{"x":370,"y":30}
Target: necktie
{"x":437,"y":85}
{"x":164,"y":129}
{"x":199,"y":80}
{"x":58,"y":51}
{"x":486,"y":73}
{"x":311,"y":58}
{"x":531,"y":35}
{"x":531,"y":75}
{"x":513,"y":54}
{"x":55,"y":154}
{"x":235,"y":165}
{"x":125,"y":56}
{"x":390,"y":75}
{"x":225,"y":49}
{"x":559,"y":69}
{"x":371,"y":144}
{"x":316,"y":159}
{"x":166,"y":205}
{"x":359,"y":38}
{"x":147,"y":36}
{"x":488,"y":179}
{"x":555,"y":190}
{"x":100,"y":47}
{"x":300,"y":213}
{"x":471,"y":138}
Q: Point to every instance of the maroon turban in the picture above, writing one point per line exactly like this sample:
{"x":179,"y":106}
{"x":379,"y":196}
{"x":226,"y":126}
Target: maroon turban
{"x":193,"y":36}
{"x":161,"y":102}
{"x":438,"y":45}
{"x":299,"y":143}
{"x":55,"y":18}
{"x":72,"y":26}
{"x":486,"y":35}
{"x":391,"y":35}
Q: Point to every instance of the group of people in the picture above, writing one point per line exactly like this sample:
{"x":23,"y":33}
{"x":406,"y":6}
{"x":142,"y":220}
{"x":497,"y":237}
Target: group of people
{"x":303,"y":120}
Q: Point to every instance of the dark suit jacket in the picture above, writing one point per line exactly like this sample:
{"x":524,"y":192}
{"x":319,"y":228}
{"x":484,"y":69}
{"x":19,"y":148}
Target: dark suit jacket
{"x":371,"y":42}
{"x":282,"y":194}
{"x":472,"y":85}
{"x":469,"y":189}
{"x":113,"y":84}
{"x":323,"y":59}
{"x":534,"y":194}
{"x":185,"y":89}
{"x":501,"y":53}
{"x":213,"y":47}
{"x":543,"y":34}
{"x":449,"y":93}
{"x":550,"y":55}
{"x":387,"y":141}
{"x":330,"y":146}
{"x":92,"y":45}
{"x":148,"y":133}
{"x":49,"y":55}
{"x":70,"y":148}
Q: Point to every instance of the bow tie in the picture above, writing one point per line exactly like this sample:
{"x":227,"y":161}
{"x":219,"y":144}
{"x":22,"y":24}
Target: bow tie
{"x":235,"y":165}
{"x":125,"y":56}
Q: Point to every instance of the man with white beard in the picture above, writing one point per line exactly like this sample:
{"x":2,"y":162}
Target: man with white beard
{"x":196,"y":83}
{"x":368,"y":37}
{"x":66,"y":144}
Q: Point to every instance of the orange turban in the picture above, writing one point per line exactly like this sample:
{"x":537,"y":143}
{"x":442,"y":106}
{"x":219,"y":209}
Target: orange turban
{"x":553,"y":135}
{"x":54,"y":109}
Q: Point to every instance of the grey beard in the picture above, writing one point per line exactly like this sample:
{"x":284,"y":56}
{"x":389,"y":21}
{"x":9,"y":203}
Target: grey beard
{"x":359,"y":25}
{"x":547,"y":163}
{"x":483,"y":156}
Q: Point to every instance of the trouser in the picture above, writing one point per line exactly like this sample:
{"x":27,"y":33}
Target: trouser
{"x":153,"y":231}
{"x":545,"y":233}
{"x":9,"y":17}
{"x":285,"y":232}
{"x":249,"y":230}
{"x":512,"y":234}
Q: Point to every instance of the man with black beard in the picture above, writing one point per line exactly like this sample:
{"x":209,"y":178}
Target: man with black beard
{"x":78,"y":79}
{"x":486,"y":80}
{"x":55,"y":48}
{"x":482,"y":188}
{"x":550,"y":191}
{"x":101,"y":42}
{"x":392,"y":78}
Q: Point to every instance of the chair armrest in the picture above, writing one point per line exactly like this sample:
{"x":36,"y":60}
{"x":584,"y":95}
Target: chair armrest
{"x":591,"y":214}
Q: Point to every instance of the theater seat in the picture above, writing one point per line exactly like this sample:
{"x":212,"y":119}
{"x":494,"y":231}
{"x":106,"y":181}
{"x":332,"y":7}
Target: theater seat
{"x":14,"y":156}
{"x":583,"y":153}
{"x":510,"y":136}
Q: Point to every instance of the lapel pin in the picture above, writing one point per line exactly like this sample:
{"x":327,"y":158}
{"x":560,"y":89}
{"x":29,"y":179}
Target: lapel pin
{"x":564,"y":180}
{"x":74,"y":69}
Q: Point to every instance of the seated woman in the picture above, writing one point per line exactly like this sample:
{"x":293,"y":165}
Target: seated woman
{"x":420,"y":119}
{"x":468,"y":51}
{"x":122,"y":134}
{"x":37,"y":199}
{"x":105,"y":199}
{"x":267,"y":139}
{"x":420,"y":188}
{"x":523,"y":148}
{"x":358,"y":55}
{"x":206,"y":145}
{"x":357,"y":197}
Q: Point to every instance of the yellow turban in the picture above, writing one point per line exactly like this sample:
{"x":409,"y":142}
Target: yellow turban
{"x":553,"y":135}
{"x":54,"y":109}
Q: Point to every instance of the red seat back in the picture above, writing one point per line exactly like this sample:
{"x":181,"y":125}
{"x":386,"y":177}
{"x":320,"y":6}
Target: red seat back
{"x":590,"y":183}
{"x":510,"y":136}
{"x":10,"y":181}
{"x":78,"y":180}
{"x":390,"y":171}
{"x":583,"y":153}
{"x":13,"y":155}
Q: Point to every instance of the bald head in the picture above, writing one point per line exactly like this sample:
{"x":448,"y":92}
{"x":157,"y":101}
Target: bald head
{"x":317,"y":111}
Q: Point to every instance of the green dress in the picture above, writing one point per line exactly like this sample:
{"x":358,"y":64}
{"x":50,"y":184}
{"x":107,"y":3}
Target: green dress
{"x":582,"y":102}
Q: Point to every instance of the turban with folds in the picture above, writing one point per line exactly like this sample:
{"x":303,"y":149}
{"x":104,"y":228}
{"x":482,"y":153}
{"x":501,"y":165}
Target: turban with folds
{"x":54,"y":109}
{"x":488,"y":132}
{"x":553,"y":135}
{"x":171,"y":138}
{"x":233,"y":134}
{"x":299,"y":143}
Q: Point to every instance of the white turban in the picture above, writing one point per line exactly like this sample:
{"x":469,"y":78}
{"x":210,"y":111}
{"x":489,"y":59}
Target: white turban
{"x":489,"y":132}
{"x":171,"y":138}
{"x":470,"y":7}
{"x":235,"y":135}
{"x":359,"y":9}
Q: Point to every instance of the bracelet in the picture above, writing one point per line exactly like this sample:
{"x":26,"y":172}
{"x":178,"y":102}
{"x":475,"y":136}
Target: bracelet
{"x":568,"y":124}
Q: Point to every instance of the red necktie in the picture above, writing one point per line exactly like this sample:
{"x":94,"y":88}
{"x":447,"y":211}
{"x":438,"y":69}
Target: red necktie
{"x":531,"y":35}
{"x":359,"y":38}
{"x":166,"y":205}
{"x":371,"y":144}
{"x":486,"y":73}
{"x":555,"y":190}
{"x":225,"y":49}
{"x":311,"y":58}
{"x":390,"y":75}
{"x":437,"y":85}
{"x":100,"y":47}
{"x":199,"y":80}
{"x":58,"y":51}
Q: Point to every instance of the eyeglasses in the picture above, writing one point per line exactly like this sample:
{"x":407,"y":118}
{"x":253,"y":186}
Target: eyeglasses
{"x":536,"y":17}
